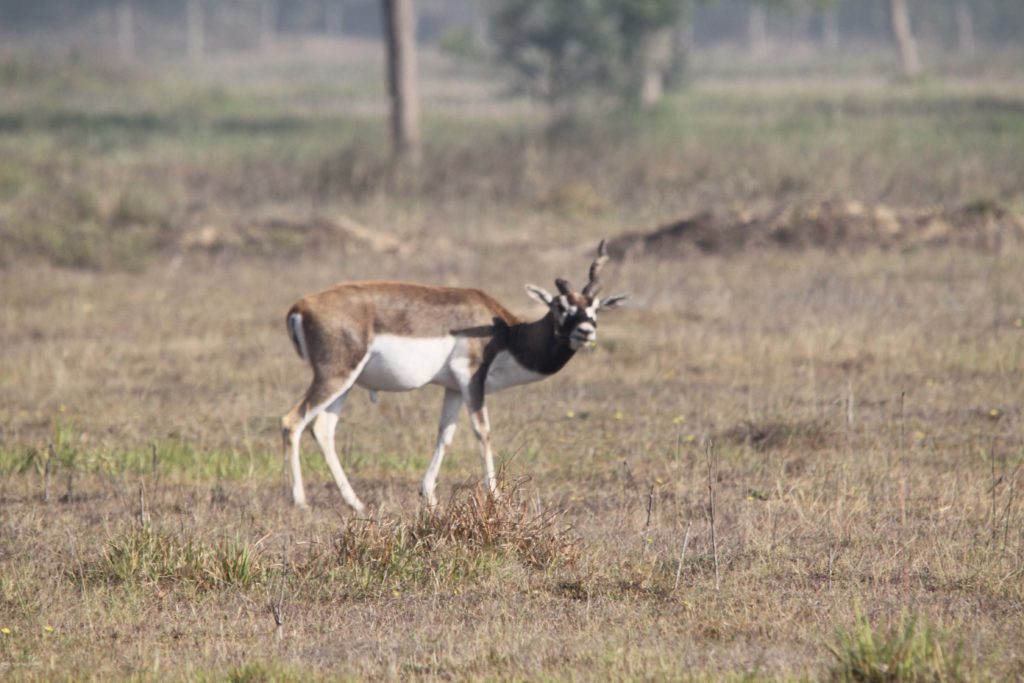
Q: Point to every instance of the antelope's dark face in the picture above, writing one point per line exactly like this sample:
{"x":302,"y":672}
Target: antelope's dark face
{"x":575,"y":313}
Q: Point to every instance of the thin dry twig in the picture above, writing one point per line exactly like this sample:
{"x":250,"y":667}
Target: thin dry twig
{"x":682,"y":555}
{"x":994,"y":486}
{"x":650,"y":506}
{"x":903,"y":466}
{"x":276,"y":608}
{"x":51,"y":453}
{"x":142,"y":503}
{"x":709,"y":450}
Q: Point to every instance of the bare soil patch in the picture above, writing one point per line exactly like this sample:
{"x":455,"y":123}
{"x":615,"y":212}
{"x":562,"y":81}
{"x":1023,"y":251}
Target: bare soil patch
{"x":828,"y":225}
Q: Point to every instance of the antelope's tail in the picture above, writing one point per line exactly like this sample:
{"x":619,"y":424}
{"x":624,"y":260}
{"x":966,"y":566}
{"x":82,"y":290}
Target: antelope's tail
{"x":296,"y":333}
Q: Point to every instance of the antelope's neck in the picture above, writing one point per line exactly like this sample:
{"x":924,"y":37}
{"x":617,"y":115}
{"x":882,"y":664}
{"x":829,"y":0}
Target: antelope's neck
{"x":536,"y":347}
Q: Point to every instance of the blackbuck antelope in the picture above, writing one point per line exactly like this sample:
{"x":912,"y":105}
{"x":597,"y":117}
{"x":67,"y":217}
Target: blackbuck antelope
{"x":398,"y":336}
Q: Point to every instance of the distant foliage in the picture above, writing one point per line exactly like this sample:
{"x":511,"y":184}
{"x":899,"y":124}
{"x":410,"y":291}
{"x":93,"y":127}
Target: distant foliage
{"x":560,"y":51}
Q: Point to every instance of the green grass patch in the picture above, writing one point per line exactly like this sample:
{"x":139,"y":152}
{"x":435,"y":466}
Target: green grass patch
{"x":263,"y":672}
{"x":144,"y":554}
{"x":909,"y":651}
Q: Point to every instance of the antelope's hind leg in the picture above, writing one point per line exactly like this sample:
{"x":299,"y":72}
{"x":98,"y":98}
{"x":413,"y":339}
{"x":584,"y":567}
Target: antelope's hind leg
{"x":323,"y":431}
{"x":322,"y":394}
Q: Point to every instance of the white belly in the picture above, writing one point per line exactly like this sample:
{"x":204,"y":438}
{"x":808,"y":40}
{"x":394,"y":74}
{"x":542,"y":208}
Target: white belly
{"x":505,"y":371}
{"x":405,"y":363}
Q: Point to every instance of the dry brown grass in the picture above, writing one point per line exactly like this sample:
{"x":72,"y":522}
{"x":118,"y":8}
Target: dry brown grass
{"x":865,"y":407}
{"x":829,"y":496}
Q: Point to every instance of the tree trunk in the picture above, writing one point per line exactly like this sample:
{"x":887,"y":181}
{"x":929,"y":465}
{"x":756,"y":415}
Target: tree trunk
{"x":679,"y":60}
{"x":904,"y":36}
{"x":655,"y":57}
{"x":268,"y":24}
{"x":757,"y":30}
{"x":194,"y":11}
{"x":830,"y":29}
{"x":125,"y":30}
{"x":400,"y":38}
{"x":652,"y":88}
{"x":478,"y":20}
{"x":965,"y":29}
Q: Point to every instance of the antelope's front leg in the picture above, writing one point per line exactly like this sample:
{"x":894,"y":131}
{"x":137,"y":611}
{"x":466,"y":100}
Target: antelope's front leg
{"x":445,"y":434}
{"x":482,"y":429}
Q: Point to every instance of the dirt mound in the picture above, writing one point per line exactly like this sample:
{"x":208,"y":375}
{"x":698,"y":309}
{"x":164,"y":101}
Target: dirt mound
{"x":286,"y":234}
{"x":829,"y":225}
{"x":768,"y":436}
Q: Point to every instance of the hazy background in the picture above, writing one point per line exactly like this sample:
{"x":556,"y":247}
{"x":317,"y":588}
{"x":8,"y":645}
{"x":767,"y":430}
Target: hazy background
{"x":236,"y":26}
{"x":626,"y":113}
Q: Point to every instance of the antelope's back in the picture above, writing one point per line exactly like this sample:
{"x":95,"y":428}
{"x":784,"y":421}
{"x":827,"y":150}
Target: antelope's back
{"x":403,"y":309}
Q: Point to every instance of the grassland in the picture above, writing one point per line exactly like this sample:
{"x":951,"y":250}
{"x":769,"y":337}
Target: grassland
{"x":856,"y":412}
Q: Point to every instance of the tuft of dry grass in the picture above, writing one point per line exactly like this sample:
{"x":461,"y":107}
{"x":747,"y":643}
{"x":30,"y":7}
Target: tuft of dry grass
{"x":509,"y":524}
{"x":464,"y":539}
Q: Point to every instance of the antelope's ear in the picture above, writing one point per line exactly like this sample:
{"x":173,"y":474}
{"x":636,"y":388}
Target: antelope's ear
{"x":539,"y":294}
{"x":614,"y":301}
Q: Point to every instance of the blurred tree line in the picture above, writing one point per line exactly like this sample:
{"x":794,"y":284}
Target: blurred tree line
{"x":165,"y":27}
{"x":559,"y":51}
{"x":633,"y":49}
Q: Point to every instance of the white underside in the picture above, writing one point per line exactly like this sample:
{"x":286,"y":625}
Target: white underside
{"x":405,"y":363}
{"x":505,"y":372}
